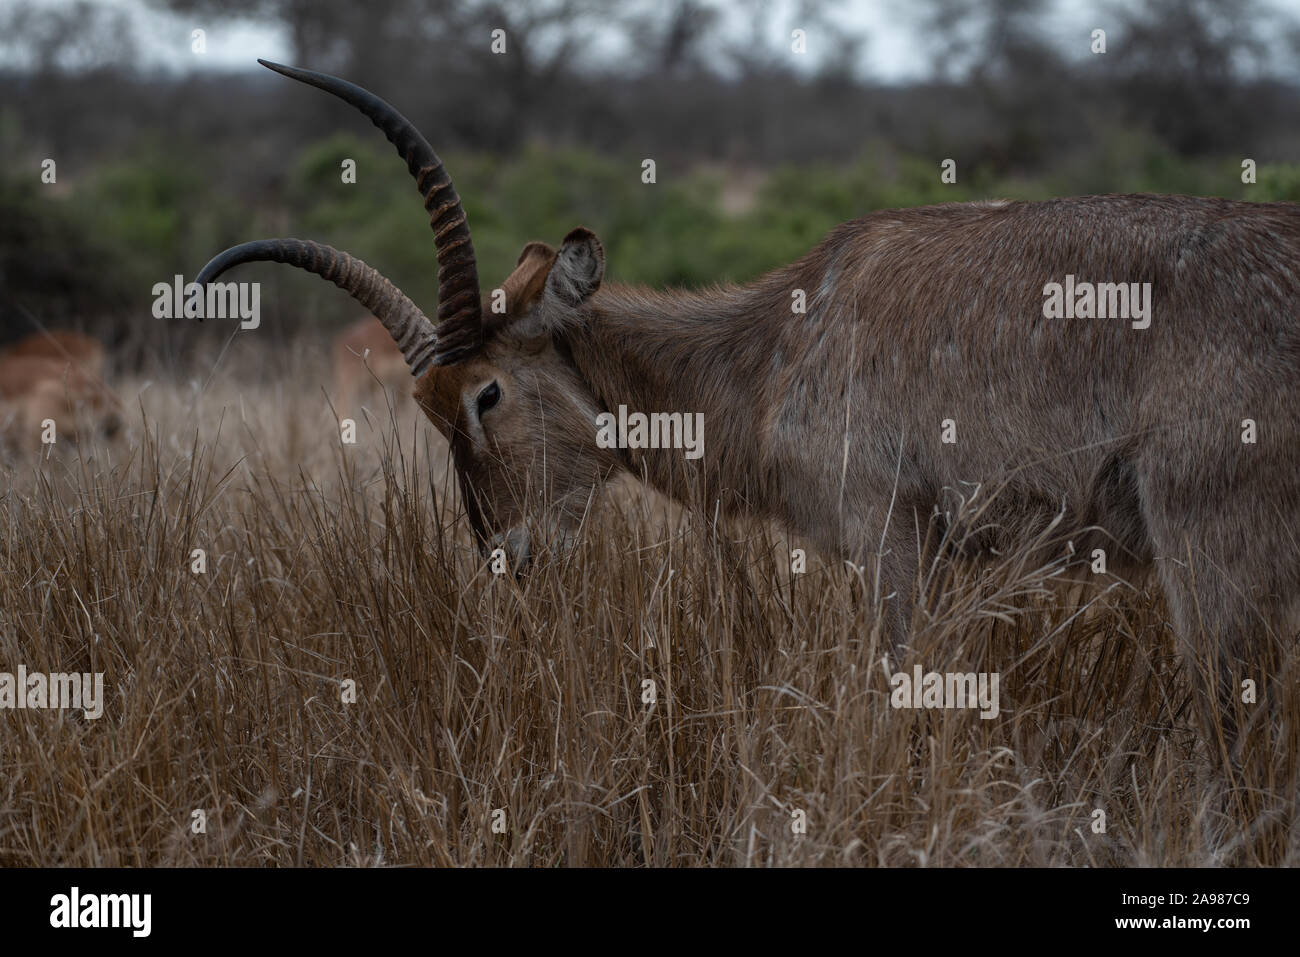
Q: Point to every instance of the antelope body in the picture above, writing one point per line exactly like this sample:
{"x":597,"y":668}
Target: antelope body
{"x":922,"y":370}
{"x":365,"y":357}
{"x":56,"y":375}
{"x":77,"y":348}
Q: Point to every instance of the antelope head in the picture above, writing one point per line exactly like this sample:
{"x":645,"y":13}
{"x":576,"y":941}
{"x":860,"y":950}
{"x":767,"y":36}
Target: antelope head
{"x":517,"y":414}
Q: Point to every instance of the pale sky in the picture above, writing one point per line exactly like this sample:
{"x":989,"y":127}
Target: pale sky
{"x":893,"y":50}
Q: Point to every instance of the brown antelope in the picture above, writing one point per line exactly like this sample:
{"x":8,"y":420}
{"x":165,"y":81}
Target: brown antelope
{"x":55,"y":375}
{"x":932,"y":353}
{"x":74,"y":347}
{"x":365,"y":357}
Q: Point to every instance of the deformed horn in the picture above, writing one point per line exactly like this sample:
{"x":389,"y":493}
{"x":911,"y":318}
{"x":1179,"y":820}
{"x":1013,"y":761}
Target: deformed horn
{"x":460,"y":331}
{"x":409,"y":327}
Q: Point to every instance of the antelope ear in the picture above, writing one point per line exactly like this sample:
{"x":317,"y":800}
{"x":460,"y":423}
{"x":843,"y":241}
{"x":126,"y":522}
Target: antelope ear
{"x":536,"y":254}
{"x":522,"y":288}
{"x":578,"y":268}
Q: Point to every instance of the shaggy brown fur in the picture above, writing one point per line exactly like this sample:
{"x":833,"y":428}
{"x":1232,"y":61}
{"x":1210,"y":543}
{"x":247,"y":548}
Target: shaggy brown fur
{"x":918,"y":322}
{"x":830,"y":422}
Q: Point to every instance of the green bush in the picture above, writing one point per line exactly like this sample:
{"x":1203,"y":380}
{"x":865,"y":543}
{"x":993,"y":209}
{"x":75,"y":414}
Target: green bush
{"x":171,"y":206}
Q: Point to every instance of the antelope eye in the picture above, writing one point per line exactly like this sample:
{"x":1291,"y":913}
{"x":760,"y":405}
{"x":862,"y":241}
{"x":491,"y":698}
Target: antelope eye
{"x":489,"y":397}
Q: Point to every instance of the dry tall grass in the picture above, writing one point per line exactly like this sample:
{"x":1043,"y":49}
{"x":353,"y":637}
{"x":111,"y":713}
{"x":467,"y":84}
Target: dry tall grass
{"x":476,"y":694}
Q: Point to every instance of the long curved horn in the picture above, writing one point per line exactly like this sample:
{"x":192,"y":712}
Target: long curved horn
{"x":409,"y":327}
{"x":460,"y":315}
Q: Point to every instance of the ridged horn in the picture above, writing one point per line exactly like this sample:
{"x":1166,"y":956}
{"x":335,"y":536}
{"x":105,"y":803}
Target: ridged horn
{"x":409,"y":327}
{"x":460,"y":316}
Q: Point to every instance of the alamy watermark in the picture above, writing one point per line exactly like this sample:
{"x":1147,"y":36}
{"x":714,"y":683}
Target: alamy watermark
{"x":656,"y":430}
{"x":933,"y":689}
{"x":130,"y":911}
{"x":38,"y":690}
{"x":218,"y":300}
{"x":1103,"y":300}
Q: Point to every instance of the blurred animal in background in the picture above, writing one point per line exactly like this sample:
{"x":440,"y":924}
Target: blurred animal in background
{"x":367,"y":361}
{"x":55,"y":375}
{"x":86,"y":352}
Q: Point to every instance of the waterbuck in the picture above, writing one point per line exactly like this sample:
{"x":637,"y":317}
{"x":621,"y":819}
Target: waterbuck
{"x":936,"y":349}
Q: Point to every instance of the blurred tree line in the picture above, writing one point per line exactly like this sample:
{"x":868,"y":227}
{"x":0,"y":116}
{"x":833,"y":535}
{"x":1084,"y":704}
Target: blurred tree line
{"x":757,"y":154}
